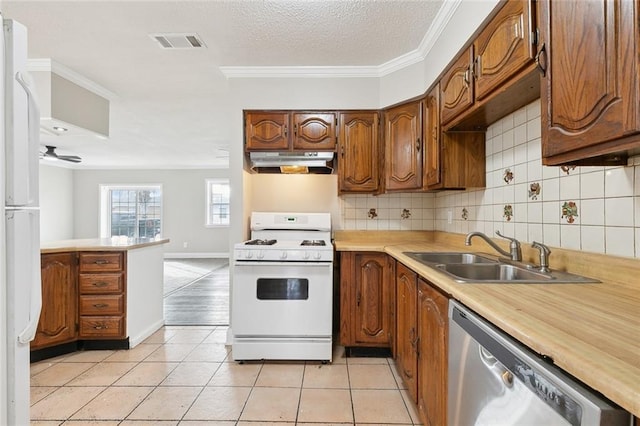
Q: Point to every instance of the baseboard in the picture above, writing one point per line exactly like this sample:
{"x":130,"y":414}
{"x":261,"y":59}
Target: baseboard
{"x":136,"y":340}
{"x":196,"y":255}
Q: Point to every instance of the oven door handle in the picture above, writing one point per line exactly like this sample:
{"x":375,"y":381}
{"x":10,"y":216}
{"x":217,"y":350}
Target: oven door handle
{"x":270,"y":263}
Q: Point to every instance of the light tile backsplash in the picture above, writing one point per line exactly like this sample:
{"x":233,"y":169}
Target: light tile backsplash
{"x":390,"y":212}
{"x":596,"y":209}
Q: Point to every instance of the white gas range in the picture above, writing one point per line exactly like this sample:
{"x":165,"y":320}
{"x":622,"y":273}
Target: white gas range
{"x":283,"y":288}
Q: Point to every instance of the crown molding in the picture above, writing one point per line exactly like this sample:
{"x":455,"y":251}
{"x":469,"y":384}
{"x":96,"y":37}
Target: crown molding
{"x":49,"y":65}
{"x":438,"y":25}
{"x":300,"y":72}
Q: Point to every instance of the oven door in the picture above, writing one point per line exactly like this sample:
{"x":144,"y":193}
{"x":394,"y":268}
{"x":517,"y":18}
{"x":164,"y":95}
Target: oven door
{"x":282,"y":299}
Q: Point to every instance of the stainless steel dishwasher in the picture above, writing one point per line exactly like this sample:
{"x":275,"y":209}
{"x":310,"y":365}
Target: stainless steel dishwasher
{"x":494,"y":380}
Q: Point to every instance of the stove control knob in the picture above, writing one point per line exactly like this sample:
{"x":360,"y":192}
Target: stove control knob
{"x":317,"y":255}
{"x":260,"y":254}
{"x":306,"y":255}
{"x":248,"y":254}
{"x":283,"y":255}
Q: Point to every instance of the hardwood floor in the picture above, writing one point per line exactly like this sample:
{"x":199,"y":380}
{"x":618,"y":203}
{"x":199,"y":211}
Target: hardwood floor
{"x":196,"y":292}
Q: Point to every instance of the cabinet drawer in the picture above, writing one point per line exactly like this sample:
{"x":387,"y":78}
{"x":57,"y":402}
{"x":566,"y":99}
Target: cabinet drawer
{"x":101,"y":283}
{"x":101,"y":262}
{"x":102,"y":326}
{"x":102,"y":305}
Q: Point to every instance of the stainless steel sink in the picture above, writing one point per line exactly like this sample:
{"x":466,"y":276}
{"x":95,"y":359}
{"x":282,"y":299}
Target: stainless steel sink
{"x":493,"y":272}
{"x":448,"y":257}
{"x":471,"y":267}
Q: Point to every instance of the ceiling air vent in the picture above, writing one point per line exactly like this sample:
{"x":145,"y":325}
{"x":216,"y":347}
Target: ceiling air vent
{"x":178,"y":40}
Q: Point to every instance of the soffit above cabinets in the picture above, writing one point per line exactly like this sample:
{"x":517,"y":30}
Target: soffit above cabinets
{"x":69,"y":101}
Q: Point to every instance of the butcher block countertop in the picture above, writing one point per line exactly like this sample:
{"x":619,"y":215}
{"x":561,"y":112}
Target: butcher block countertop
{"x":592,"y":331}
{"x":100,"y":244}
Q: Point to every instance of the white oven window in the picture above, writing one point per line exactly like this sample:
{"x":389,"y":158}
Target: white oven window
{"x":282,"y":289}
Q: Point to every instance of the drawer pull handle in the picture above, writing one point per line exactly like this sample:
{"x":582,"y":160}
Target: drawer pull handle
{"x":100,"y":284}
{"x":100,"y":305}
{"x":101,"y":262}
{"x":100,"y":327}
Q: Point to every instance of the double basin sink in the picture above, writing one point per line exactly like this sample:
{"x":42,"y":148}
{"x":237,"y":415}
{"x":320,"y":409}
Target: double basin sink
{"x":471,"y":267}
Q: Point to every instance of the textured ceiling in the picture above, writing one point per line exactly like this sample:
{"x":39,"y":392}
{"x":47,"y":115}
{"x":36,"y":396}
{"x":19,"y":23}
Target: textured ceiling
{"x":162,"y":116}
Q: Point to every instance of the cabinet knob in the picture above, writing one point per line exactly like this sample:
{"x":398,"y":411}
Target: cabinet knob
{"x":418,"y":144}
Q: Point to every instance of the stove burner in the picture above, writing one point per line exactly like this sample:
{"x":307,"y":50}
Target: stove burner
{"x":313,"y":243}
{"x":260,"y":242}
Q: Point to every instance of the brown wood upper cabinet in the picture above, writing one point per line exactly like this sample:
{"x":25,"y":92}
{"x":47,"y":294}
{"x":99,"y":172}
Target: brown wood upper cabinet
{"x":496,"y":74}
{"x":456,"y":87}
{"x":359,"y":152}
{"x":590,"y":99}
{"x":403,"y":147}
{"x":290,"y":130}
{"x":451,"y":160}
{"x":503,"y":47}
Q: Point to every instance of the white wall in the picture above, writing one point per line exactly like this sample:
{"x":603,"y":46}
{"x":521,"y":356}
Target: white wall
{"x":56,"y":203}
{"x":297,"y":193}
{"x":183,"y":215}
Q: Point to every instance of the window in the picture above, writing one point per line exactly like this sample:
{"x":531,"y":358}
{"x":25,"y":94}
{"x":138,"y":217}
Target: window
{"x":131,"y":211}
{"x":217,"y":202}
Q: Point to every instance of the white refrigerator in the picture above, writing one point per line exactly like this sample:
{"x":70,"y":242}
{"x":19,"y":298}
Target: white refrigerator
{"x":20,"y":287}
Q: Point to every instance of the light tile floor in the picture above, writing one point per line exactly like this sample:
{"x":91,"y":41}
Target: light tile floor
{"x":185,"y":376}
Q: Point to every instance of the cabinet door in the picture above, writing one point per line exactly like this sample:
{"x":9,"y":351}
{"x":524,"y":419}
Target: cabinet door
{"x":432,"y":137}
{"x":314,"y":131}
{"x":589,"y":94}
{"x":403,"y":159}
{"x":456,"y":88}
{"x":432,"y":347}
{"x":406,"y":330}
{"x":503,"y":48}
{"x":58,"y":318}
{"x":372,"y":297}
{"x":358,"y":155}
{"x":265,"y":131}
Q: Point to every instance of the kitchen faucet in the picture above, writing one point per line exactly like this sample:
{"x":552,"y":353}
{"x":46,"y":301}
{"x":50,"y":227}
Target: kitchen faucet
{"x":544,"y":256}
{"x":515,"y":251}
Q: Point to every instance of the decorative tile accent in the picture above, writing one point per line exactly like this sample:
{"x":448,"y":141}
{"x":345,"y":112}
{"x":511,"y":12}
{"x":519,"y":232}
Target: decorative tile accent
{"x":570,"y":211}
{"x":507,"y":176}
{"x":372,"y":214}
{"x":567,"y":169}
{"x":406,"y":214}
{"x":508,"y":212}
{"x":465,"y":213}
{"x":534,"y":190}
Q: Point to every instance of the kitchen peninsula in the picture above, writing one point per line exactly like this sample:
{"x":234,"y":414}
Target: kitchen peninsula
{"x":99,"y":293}
{"x":591,"y":331}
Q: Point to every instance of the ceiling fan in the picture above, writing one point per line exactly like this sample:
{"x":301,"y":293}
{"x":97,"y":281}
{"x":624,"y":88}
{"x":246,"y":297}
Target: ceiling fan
{"x":50,"y":154}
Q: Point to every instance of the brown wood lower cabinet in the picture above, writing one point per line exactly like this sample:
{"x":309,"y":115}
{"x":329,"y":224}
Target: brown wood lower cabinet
{"x":366,"y":299}
{"x":58,"y":320}
{"x":407,"y":328}
{"x":433,"y":342}
{"x":102,"y":295}
{"x":422,"y":341}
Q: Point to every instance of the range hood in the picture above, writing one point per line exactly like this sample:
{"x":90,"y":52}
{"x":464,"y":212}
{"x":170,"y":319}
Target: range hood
{"x":292,"y":162}
{"x":69,"y":103}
